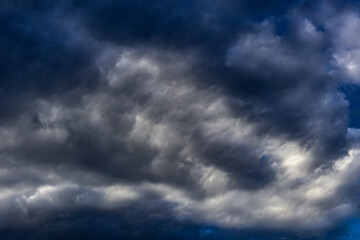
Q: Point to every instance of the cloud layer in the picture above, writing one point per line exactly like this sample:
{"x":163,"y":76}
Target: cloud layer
{"x":198,"y":117}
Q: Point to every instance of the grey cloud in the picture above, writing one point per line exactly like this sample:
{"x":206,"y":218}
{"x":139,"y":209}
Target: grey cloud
{"x":149,"y":122}
{"x":287,"y":77}
{"x":134,"y":128}
{"x":255,"y":137}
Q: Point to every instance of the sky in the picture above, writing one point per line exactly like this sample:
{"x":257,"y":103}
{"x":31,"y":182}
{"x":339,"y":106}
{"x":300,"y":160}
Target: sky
{"x":189,"y":119}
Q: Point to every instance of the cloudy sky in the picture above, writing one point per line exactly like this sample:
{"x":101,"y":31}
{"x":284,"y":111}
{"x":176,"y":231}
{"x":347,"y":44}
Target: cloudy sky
{"x":188,"y":119}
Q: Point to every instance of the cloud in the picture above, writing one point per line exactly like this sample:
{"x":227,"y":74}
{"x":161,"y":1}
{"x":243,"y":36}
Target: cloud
{"x":239,"y":126}
{"x":150,"y":122}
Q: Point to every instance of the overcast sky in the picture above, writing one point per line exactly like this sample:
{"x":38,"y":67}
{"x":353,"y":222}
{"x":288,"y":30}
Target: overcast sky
{"x":183,"y":119}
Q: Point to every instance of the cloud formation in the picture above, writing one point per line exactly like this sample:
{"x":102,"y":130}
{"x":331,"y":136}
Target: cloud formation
{"x":186,"y":116}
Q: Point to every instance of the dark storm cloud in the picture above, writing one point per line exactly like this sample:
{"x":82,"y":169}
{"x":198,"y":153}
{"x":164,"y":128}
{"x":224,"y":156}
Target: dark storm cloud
{"x":124,"y":140}
{"x":120,"y":114}
{"x":199,"y":24}
{"x":38,"y":55}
